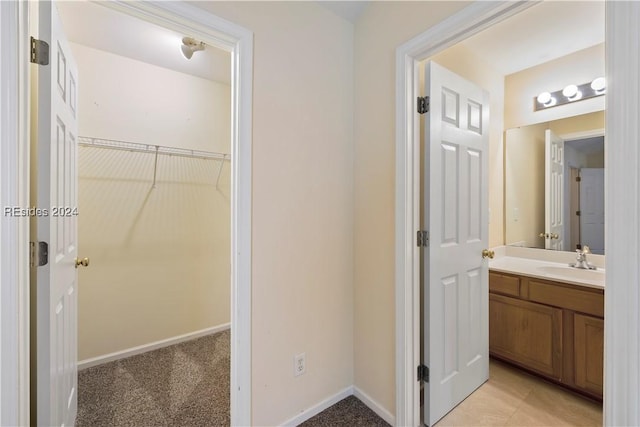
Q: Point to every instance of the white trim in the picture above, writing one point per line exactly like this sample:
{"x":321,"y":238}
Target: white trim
{"x":14,"y":232}
{"x":622,"y":207}
{"x":99,"y":360}
{"x":470,"y":20}
{"x":316,"y":409}
{"x":582,"y":135}
{"x":226,"y":35}
{"x":374,"y":406}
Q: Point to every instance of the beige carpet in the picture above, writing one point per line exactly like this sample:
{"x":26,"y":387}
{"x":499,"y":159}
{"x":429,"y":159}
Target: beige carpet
{"x":348,"y":412}
{"x":186,"y":384}
{"x":183,"y":385}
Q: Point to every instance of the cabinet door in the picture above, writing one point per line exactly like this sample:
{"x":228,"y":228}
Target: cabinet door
{"x":527,"y":333}
{"x":589,"y":350}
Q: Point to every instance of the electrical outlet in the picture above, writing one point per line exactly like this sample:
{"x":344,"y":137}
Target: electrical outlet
{"x":299,"y":364}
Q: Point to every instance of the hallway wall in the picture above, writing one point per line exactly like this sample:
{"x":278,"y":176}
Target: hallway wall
{"x":302,"y":234}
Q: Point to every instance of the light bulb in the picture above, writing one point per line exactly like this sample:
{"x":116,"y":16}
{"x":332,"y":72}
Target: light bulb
{"x":571,"y":92}
{"x":598,"y":85}
{"x":546,"y":99}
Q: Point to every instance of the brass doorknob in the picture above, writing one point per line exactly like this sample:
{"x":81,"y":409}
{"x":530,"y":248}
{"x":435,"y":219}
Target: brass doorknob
{"x":555,"y":236}
{"x":83,"y":262}
{"x":486,"y":253}
{"x":544,"y":235}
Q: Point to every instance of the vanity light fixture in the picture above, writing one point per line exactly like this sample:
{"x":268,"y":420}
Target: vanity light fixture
{"x":570,"y":93}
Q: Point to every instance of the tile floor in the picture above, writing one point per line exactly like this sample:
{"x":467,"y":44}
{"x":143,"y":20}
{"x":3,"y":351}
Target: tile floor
{"x":514,"y":398}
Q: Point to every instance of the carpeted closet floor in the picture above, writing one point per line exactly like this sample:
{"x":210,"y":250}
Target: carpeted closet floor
{"x":185,"y":385}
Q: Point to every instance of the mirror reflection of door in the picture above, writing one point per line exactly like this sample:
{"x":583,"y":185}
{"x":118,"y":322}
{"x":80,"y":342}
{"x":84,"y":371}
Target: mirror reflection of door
{"x":525,"y":205}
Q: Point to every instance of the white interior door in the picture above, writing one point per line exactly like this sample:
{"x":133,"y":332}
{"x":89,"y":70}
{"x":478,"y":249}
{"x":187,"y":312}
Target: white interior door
{"x":554,"y":191}
{"x":57,"y":193}
{"x":456,"y":329}
{"x":592,"y":209}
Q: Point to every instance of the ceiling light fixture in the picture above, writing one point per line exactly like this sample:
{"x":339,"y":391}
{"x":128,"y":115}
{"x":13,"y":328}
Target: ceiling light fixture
{"x":571,"y":93}
{"x":190,"y":45}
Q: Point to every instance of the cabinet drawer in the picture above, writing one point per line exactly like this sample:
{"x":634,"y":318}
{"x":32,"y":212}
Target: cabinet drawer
{"x":503,"y":284}
{"x":583,"y":301}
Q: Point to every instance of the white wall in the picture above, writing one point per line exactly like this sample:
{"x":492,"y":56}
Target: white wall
{"x":302,"y":260}
{"x":160,"y":257}
{"x":129,"y":100}
{"x":522,"y":87}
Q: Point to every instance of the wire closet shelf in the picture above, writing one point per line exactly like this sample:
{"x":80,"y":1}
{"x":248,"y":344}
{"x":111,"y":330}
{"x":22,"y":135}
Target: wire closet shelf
{"x":156,"y":150}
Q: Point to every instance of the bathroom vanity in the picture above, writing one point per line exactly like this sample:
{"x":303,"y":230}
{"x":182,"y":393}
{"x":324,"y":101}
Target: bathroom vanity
{"x":548,"y":318}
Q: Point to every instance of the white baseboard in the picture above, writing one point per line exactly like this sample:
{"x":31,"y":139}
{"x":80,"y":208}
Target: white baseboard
{"x":374,"y":406}
{"x":315,"y":410}
{"x":99,"y":360}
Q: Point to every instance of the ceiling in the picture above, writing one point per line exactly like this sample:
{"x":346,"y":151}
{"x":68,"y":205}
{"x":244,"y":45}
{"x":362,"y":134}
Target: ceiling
{"x":588,"y":145}
{"x":102,"y":28}
{"x":349,"y":10}
{"x":546,"y":31}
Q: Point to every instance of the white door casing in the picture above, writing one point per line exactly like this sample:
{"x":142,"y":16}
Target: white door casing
{"x":554,"y":191}
{"x":592,"y":209}
{"x":57,"y":193}
{"x":456,"y":330}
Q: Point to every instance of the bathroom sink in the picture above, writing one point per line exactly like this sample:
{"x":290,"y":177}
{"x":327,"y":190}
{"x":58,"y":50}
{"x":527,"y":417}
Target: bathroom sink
{"x":574,"y":273}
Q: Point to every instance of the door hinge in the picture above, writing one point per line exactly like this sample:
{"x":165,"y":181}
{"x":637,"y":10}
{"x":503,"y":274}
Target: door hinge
{"x":423,"y":373}
{"x":578,"y":179}
{"x":423,"y":238}
{"x":39,"y":52}
{"x":38,"y":254}
{"x":423,"y":104}
{"x":578,"y":213}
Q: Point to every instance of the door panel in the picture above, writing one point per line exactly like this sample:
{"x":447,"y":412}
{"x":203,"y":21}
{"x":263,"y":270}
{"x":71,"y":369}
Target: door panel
{"x":57,"y":193}
{"x":554,"y":191}
{"x":592,"y":209}
{"x":455,"y":332}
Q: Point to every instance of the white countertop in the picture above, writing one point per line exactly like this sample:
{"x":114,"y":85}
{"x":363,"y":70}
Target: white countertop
{"x":547,"y":270}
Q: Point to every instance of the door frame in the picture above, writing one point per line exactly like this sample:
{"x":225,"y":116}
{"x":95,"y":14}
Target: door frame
{"x":14,"y":232}
{"x":237,"y":40}
{"x":179,"y":16}
{"x":469,"y":21}
{"x":622,"y":241}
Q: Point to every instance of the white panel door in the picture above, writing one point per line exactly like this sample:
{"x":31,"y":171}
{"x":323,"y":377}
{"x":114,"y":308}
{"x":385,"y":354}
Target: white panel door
{"x":554,"y":225}
{"x":456,"y":297}
{"x":592,"y":209}
{"x":57,"y":193}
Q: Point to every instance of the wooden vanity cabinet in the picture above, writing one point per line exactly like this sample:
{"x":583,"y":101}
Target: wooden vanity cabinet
{"x":553,"y":329}
{"x":527,"y":333}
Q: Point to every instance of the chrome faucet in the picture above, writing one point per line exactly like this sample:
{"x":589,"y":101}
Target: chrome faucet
{"x":581,"y":259}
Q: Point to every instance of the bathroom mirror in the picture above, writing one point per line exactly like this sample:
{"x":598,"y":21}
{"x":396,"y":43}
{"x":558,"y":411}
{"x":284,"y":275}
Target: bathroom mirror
{"x":555,"y":200}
